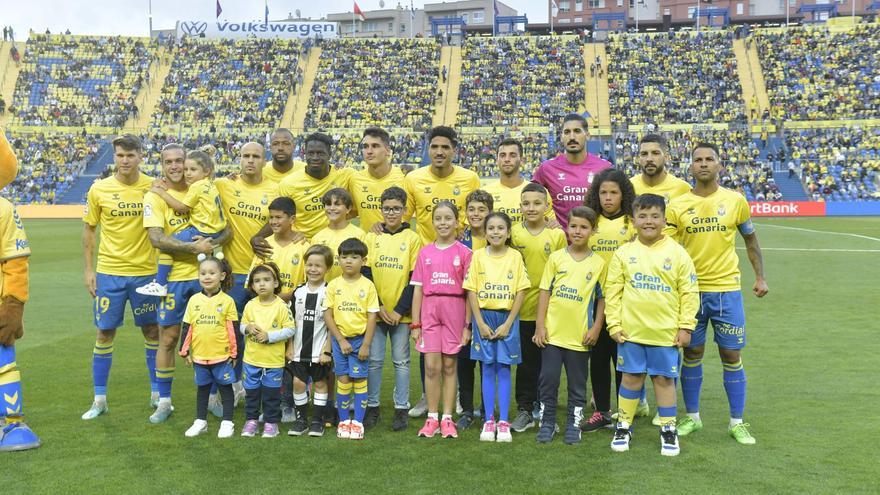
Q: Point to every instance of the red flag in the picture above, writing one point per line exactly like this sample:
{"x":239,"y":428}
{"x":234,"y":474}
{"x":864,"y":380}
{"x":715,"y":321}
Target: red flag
{"x":358,"y":12}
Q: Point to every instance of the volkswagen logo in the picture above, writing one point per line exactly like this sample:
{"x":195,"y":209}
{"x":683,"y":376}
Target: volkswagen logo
{"x":194,"y":28}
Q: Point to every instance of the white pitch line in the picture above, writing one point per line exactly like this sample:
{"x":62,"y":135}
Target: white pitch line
{"x":818,"y":250}
{"x":820,"y":231}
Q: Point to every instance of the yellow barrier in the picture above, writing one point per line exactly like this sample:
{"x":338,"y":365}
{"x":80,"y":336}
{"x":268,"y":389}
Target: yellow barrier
{"x":27,"y":129}
{"x":50,"y":211}
{"x":681,"y":127}
{"x":830,"y":124}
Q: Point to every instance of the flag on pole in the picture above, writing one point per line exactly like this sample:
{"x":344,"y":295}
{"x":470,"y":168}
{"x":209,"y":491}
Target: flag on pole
{"x":495,"y":6}
{"x":358,"y":12}
{"x":266,"y":15}
{"x":554,"y":8}
{"x":412,"y":10}
{"x":219,"y":9}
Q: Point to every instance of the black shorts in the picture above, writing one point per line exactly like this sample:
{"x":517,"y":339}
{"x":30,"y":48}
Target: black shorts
{"x":303,"y":371}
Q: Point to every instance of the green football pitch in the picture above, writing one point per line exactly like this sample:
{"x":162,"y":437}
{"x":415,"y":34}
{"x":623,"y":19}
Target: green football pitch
{"x":811,"y":396}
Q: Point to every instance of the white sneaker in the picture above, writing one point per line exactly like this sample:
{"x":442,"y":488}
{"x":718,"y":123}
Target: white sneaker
{"x":420,"y":408}
{"x":97,"y":409}
{"x":227,"y":429}
{"x":154,"y":399}
{"x":198,"y":427}
{"x":161,"y":414}
{"x":488,"y":433}
{"x":669,"y":442}
{"x":153,"y":289}
{"x":288,"y":415}
{"x":621,"y":439}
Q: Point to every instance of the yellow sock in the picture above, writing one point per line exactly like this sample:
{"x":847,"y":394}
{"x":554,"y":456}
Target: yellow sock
{"x":627,"y":402}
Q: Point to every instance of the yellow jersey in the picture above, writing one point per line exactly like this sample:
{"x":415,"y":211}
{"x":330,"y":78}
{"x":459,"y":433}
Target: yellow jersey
{"x":272,"y":175}
{"x":651,"y":292}
{"x":290,"y":260}
{"x":496,"y":279}
{"x":367,"y":190}
{"x":392,"y":258}
{"x":610,"y":234}
{"x":575,"y":287}
{"x":508,"y":200}
{"x":246,"y":208}
{"x":13,"y":240}
{"x":206,"y":213}
{"x":306,"y":191}
{"x":707,"y":227}
{"x":332,"y":239}
{"x":157,"y":213}
{"x":211,"y":336}
{"x":351,"y":302}
{"x":424,"y":190}
{"x":271,"y":317}
{"x":124,"y":248}
{"x":535,"y":251}
{"x":671,"y":187}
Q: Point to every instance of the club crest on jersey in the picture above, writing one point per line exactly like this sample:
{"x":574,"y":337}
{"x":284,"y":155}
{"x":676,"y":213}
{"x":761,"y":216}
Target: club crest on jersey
{"x":509,"y":274}
{"x":694,"y":278}
{"x":295,"y":260}
{"x":667,"y":264}
{"x":402,"y":246}
{"x":589,"y":276}
{"x":362,"y":294}
{"x":456,"y":261}
{"x":308,"y":190}
{"x":632,"y":260}
{"x":546,"y":248}
{"x":219,"y":308}
{"x":456,"y":191}
{"x":666,"y":198}
{"x":623,"y":230}
{"x":477,"y":346}
{"x":721,"y":210}
{"x":148,"y":211}
{"x":265,"y":200}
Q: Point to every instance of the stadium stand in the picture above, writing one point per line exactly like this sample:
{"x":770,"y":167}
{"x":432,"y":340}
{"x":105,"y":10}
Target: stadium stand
{"x":675,"y":78}
{"x":837,"y":164}
{"x":524,"y":81}
{"x":227,"y":84}
{"x":389,"y":83}
{"x":814,"y":74}
{"x":225,"y":144}
{"x":477,"y":152}
{"x":80,"y":80}
{"x":406,"y":148}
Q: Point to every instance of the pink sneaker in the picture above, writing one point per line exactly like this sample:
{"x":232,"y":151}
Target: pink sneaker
{"x":430,"y":429}
{"x":502,"y":432}
{"x":447,"y":428}
{"x":250,"y":428}
{"x":488,"y":433}
{"x":270,"y":430}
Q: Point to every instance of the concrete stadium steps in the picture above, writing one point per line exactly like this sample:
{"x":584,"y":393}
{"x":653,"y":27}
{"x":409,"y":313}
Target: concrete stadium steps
{"x":8,"y":75}
{"x":596,"y":90}
{"x":93,"y":170}
{"x":746,"y":79}
{"x":290,"y":106}
{"x":301,"y":107}
{"x":791,"y":189}
{"x":446,"y":108}
{"x":149,"y":96}
{"x":758,"y":77}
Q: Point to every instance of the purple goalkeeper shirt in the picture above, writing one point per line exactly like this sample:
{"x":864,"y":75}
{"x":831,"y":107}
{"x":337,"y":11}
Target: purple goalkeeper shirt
{"x":567,"y":182}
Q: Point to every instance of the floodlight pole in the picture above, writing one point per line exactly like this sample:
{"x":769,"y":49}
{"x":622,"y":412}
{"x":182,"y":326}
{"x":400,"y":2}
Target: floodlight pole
{"x":150,"y":16}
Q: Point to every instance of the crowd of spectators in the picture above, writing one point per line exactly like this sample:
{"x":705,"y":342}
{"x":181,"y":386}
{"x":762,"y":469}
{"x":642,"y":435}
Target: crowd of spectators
{"x":227,"y":84}
{"x":814,"y":74}
{"x":837,"y":164}
{"x":80,"y":80}
{"x":525,"y":81}
{"x":477,"y":152}
{"x":49,"y":164}
{"x":224,"y":147}
{"x":405,"y":149}
{"x":390,"y":83}
{"x":743,"y":170}
{"x":674,"y":78}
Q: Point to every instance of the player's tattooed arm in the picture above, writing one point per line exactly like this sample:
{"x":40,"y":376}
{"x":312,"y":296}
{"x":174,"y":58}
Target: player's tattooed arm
{"x":222,"y":239}
{"x":756,"y":258}
{"x":171,"y":245}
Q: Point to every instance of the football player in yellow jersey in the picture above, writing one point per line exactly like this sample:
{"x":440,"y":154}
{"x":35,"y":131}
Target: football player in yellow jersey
{"x":126,"y":260}
{"x":393,"y":256}
{"x":427,"y":186}
{"x":14,"y":253}
{"x":282,"y":164}
{"x":611,"y":195}
{"x":367,"y":185}
{"x":651,"y":298}
{"x":337,"y":205}
{"x":655,"y":179}
{"x":535,"y":240}
{"x":306,"y":187}
{"x":705,"y":222}
{"x":507,"y":190}
{"x":161,"y":222}
{"x":287,"y":253}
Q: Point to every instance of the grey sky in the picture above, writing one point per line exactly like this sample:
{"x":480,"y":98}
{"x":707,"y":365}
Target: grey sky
{"x":130,"y":17}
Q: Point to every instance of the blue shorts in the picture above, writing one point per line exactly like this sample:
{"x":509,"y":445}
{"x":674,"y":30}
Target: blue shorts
{"x":505,"y":351}
{"x":187,"y":234}
{"x":651,"y":359}
{"x":220,"y":373}
{"x":239,"y":293}
{"x":725,"y":311}
{"x":112,"y":293}
{"x":350,"y":365}
{"x":255,"y":376}
{"x":173,"y":306}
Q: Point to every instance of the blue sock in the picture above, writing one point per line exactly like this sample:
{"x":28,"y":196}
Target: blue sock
{"x":343,"y":400}
{"x":691,"y":383}
{"x":10,"y":384}
{"x":503,"y":371}
{"x":102,"y":359}
{"x":488,"y":376}
{"x":679,"y":369}
{"x":151,"y":347}
{"x":735,"y":386}
{"x":164,"y":378}
{"x":162,"y":274}
{"x":360,"y":399}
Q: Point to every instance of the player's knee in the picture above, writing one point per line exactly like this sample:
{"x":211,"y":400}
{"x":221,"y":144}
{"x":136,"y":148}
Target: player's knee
{"x":450,"y":369}
{"x":730,"y":356}
{"x":632,"y":381}
{"x":150,"y":331}
{"x":105,"y":336}
{"x":663,"y":381}
{"x":694,"y":353}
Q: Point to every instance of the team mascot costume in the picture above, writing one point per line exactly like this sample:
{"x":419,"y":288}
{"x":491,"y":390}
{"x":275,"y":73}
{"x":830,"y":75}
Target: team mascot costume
{"x":14,"y":253}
